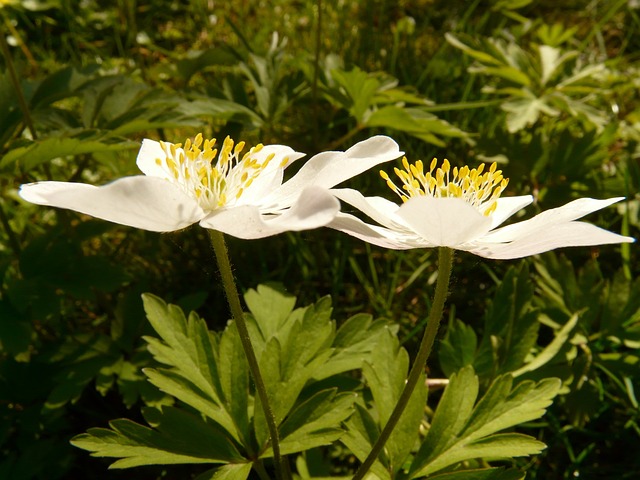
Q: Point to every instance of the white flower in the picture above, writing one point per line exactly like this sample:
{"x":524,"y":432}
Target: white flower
{"x":239,"y":194}
{"x":461,"y":209}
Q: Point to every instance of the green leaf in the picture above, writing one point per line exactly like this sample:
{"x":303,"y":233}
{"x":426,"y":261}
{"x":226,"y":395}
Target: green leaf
{"x":233,"y":371}
{"x":231,"y":471}
{"x":177,"y":437}
{"x":386,"y":375}
{"x":270,"y":308}
{"x":472,"y":52}
{"x":414,"y":121}
{"x":42,"y":151}
{"x":191,"y":351}
{"x":289,"y":363}
{"x":508,"y":73}
{"x":353,"y":343}
{"x":316,"y":421}
{"x":481,"y":474}
{"x":523,"y":112}
{"x":362,"y":433}
{"x":63,"y":83}
{"x":461,"y":431}
{"x":551,"y":350}
{"x":458,"y":348}
{"x":510,"y":326}
{"x":360,"y":88}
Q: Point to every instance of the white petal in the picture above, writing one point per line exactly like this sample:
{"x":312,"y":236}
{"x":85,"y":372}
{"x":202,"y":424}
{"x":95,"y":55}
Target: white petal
{"x":507,"y":206}
{"x":142,"y":202}
{"x":570,"y":234}
{"x":373,"y":234}
{"x":316,"y":207}
{"x":328,"y":169}
{"x":571,"y":211}
{"x":378,"y":209}
{"x":150,"y":150}
{"x":270,"y":178}
{"x":444,"y":222}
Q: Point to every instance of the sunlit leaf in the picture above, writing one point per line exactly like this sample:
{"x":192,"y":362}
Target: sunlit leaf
{"x":463,"y":428}
{"x":177,"y":437}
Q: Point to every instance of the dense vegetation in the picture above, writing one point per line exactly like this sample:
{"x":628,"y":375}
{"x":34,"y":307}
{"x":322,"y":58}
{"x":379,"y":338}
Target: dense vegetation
{"x":549,"y":90}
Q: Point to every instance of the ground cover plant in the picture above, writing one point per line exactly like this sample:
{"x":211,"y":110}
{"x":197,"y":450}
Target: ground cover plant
{"x":124,"y":347}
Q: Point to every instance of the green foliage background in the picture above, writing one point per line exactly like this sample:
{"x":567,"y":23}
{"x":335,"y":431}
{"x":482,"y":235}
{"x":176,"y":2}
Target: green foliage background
{"x":548,"y":89}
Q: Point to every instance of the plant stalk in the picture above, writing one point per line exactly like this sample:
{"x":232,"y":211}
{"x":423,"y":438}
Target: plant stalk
{"x":224,"y":265}
{"x":445,"y":261}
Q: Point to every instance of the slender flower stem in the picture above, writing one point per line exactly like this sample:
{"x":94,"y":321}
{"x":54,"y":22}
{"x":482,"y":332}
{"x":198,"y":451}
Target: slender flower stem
{"x":445,"y":260}
{"x":224,"y":264}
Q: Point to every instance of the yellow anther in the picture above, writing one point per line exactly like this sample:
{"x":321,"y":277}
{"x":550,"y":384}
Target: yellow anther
{"x":471,"y":185}
{"x":267,"y":160}
{"x":213,"y":176}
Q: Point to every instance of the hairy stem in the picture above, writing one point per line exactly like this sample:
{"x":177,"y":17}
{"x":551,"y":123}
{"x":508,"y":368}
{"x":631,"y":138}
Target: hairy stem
{"x":224,"y":264}
{"x":445,"y":260}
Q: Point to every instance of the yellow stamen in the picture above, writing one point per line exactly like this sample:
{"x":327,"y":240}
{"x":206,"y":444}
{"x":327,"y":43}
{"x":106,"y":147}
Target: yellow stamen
{"x":211,"y":178}
{"x":472,"y":185}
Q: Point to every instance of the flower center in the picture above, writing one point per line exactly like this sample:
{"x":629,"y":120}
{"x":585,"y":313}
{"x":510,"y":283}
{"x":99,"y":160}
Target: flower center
{"x":474,"y":186}
{"x":213,"y":183}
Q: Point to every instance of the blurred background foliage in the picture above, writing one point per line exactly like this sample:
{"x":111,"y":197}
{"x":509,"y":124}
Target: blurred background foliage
{"x":548,"y":89}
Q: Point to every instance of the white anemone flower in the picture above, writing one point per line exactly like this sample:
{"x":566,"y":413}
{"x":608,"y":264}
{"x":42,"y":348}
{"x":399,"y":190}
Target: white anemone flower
{"x":462,"y":209}
{"x":242,"y":195}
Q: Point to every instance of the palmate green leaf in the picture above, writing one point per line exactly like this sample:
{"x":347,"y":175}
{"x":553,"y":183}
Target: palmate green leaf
{"x":181,"y":388}
{"x":458,"y":348}
{"x":298,"y":347}
{"x":290,"y":360}
{"x":463,"y":431}
{"x":315,"y":422}
{"x":353,"y":343}
{"x":41,"y":151}
{"x":362,"y":432}
{"x":360,"y":88}
{"x":177,"y":437}
{"x":385,"y":374}
{"x":414,"y":121}
{"x":523,"y":112}
{"x":510,"y":326}
{"x":191,"y":352}
{"x":270,"y":309}
{"x":233,"y":372}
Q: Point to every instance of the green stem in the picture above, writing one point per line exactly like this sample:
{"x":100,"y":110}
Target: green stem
{"x":445,"y":260}
{"x":224,"y":264}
